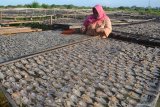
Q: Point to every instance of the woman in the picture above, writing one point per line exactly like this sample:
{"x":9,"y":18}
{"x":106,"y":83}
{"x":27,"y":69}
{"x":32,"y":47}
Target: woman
{"x":98,"y":23}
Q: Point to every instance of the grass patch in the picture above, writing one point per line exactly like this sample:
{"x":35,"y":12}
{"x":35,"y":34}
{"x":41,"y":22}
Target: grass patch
{"x":158,"y":102}
{"x":3,"y":100}
{"x":39,"y":26}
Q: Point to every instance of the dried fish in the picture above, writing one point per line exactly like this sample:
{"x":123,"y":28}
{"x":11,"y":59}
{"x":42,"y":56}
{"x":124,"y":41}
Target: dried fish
{"x":131,"y":101}
{"x":100,"y":100}
{"x":74,"y":98}
{"x":29,"y":87}
{"x":7,"y":84}
{"x":96,"y":104}
{"x":17,"y":76}
{"x":134,"y":95}
{"x":119,"y":96}
{"x":9,"y":73}
{"x":26,"y":101}
{"x":40,"y":98}
{"x":11,"y":79}
{"x":4,"y":68}
{"x":18,"y":64}
{"x":82,"y":104}
{"x":24,"y":61}
{"x":23,"y":82}
{"x":113,"y":102}
{"x":128,"y":87}
{"x":81,"y":89}
{"x":10,"y":90}
{"x":76,"y":92}
{"x":101,"y":94}
{"x":86,"y":98}
{"x":32,"y":95}
{"x":2,"y":76}
{"x":69,"y":104}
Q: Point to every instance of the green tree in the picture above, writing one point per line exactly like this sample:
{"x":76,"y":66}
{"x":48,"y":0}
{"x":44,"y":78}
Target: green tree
{"x":19,"y":5}
{"x":45,"y":6}
{"x":10,"y":6}
{"x":106,"y":8}
{"x":69,"y":6}
{"x":35,"y":5}
{"x":1,"y":6}
{"x":53,"y":6}
{"x":121,"y":7}
{"x":27,"y":5}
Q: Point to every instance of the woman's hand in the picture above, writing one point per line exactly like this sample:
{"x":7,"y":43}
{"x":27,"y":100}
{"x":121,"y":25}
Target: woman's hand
{"x":99,"y":30}
{"x":83,"y":29}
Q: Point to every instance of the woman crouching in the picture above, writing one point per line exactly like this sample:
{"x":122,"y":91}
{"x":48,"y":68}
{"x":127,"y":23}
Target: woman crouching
{"x":98,"y":23}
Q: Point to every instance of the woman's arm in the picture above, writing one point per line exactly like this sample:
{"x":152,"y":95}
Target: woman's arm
{"x":83,"y":29}
{"x":107,"y":29}
{"x":90,"y":30}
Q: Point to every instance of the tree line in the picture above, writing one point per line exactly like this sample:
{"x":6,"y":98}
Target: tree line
{"x":46,"y":6}
{"x":70,"y":6}
{"x":141,"y":10}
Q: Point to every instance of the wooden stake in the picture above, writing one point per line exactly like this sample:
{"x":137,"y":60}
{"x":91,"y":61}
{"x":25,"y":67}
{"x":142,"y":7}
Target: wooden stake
{"x":1,"y":14}
{"x":14,"y":30}
{"x":51,"y":20}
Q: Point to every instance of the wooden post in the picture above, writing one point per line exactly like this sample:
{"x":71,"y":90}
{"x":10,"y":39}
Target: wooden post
{"x":55,"y":16}
{"x":26,"y":14}
{"x":1,"y":15}
{"x":15,"y":19}
{"x":75,"y":14}
{"x":51,"y":19}
{"x":54,"y":12}
{"x":45,"y":12}
{"x":26,"y":11}
{"x":17,"y":14}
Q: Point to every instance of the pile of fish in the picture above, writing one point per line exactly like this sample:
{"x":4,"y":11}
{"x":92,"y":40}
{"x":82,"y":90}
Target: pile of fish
{"x":95,"y":73}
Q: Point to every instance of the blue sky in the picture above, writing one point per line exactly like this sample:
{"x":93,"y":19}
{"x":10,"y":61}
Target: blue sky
{"x":110,"y":3}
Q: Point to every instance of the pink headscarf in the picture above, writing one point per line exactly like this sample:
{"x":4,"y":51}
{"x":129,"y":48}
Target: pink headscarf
{"x":101,"y":16}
